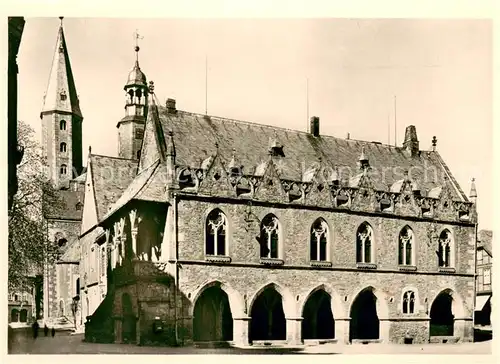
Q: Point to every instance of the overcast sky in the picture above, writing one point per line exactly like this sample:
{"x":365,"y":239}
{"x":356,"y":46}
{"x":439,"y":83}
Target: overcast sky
{"x":439,"y":70}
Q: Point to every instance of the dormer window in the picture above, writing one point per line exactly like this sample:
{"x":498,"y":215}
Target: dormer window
{"x":63,"y":96}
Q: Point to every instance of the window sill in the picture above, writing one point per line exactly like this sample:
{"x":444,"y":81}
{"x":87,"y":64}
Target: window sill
{"x":366,"y":265}
{"x":320,"y":263}
{"x":218,"y":258}
{"x":407,"y":268}
{"x":446,"y":270}
{"x":271,"y":261}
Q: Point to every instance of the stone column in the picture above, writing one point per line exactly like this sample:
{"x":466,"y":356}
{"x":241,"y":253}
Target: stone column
{"x":294,"y":330}
{"x":241,"y":330}
{"x":385,"y":327}
{"x":118,"y":330}
{"x":342,"y":327}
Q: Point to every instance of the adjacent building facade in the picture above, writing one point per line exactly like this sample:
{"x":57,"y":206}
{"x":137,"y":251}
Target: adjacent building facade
{"x":207,"y":229}
{"x":484,"y":292}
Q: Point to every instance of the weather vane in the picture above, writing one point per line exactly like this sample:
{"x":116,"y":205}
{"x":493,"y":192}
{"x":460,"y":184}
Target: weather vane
{"x":137,"y":36}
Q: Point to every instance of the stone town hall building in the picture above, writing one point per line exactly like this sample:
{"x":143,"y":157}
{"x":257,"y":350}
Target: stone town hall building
{"x":206,"y":229}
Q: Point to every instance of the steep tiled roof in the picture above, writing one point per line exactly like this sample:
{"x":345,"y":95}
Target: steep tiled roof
{"x":141,"y":185}
{"x":72,"y":253}
{"x":485,"y":238}
{"x":111,"y":176}
{"x":66,"y":206}
{"x":196,"y":136}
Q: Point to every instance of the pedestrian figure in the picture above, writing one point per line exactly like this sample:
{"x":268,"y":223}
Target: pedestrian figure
{"x":35,"y":327}
{"x":45,"y":330}
{"x":53,"y":332}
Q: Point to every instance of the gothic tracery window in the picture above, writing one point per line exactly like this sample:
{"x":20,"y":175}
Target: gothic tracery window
{"x":445,"y":249}
{"x":364,"y":241}
{"x":216,"y":231}
{"x":405,"y":252}
{"x":319,"y":240}
{"x":269,"y":237}
{"x":409,"y":302}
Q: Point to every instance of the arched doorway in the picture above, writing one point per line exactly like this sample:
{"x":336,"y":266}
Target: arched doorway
{"x":441,"y":315}
{"x":268,"y":317}
{"x":23,"y":316}
{"x":318,"y":322}
{"x":14,"y":315}
{"x":212,"y":320}
{"x":365,"y":324}
{"x":129,"y":321}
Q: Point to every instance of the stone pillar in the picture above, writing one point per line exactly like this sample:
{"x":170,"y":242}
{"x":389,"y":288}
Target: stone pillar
{"x":463,"y":328}
{"x":241,"y":331}
{"x":138,"y":329}
{"x":342,"y":327}
{"x":118,"y":330}
{"x":385,"y":327}
{"x":294,"y":330}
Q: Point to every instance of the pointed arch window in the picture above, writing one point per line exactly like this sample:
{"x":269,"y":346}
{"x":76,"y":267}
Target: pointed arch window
{"x":216,"y":233}
{"x":409,"y":302}
{"x":62,"y":147}
{"x":62,"y":125}
{"x":319,"y":241}
{"x":63,"y":169}
{"x":364,"y":243}
{"x":445,"y":250}
{"x":269,"y":244}
{"x":405,"y":251}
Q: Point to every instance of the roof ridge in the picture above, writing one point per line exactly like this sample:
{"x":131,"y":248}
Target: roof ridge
{"x":112,"y":157}
{"x":253,"y":123}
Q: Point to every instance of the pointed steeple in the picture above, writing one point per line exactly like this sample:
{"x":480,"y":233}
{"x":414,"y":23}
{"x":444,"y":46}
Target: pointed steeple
{"x":473,"y":191}
{"x":62,"y":119}
{"x":61,"y":92}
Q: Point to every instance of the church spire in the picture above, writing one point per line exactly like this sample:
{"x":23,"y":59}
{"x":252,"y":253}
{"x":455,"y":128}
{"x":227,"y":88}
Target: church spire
{"x":61,"y":92}
{"x":62,"y":118}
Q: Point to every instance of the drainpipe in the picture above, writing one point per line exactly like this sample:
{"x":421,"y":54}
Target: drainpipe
{"x":475,"y":278}
{"x":174,"y":206}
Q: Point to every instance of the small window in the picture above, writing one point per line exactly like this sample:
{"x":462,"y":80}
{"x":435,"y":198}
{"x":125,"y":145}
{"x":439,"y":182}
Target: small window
{"x":487,"y":276}
{"x":16,"y":297}
{"x":138,"y":154}
{"x":445,"y":249}
{"x":63,"y":96}
{"x":78,"y":206}
{"x":405,"y":246}
{"x":139,"y":133}
{"x":364,"y":242}
{"x":319,"y":241}
{"x":409,"y":302}
{"x":269,"y":237}
{"x":63,"y":169}
{"x":61,"y":242}
{"x":62,"y":125}
{"x":62,"y":147}
{"x":216,"y":231}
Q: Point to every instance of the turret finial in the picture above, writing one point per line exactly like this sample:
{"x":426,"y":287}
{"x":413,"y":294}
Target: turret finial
{"x":136,"y":48}
{"x":151,"y":87}
{"x":61,"y":19}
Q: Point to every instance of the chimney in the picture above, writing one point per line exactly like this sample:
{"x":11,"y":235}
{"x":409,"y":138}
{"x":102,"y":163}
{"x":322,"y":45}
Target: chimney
{"x":171,"y":106}
{"x":411,"y":142}
{"x":314,"y":126}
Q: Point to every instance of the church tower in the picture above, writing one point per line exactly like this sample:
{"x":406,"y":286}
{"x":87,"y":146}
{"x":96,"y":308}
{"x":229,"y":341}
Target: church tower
{"x":62,"y":119}
{"x":131,"y":127}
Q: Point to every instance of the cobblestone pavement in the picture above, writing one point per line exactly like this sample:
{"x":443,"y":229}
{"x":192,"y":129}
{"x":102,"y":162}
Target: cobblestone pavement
{"x":63,"y":343}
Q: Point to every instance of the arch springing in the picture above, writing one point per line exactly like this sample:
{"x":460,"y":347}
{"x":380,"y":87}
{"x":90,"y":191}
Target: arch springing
{"x":216,"y":233}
